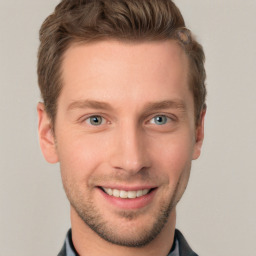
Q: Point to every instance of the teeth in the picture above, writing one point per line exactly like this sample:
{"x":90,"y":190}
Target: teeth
{"x":132,"y":194}
{"x":126,"y":194}
{"x":116,"y":193}
{"x":123,"y":194}
{"x":139,"y":193}
{"x":144,"y":192}
{"x":109,"y":191}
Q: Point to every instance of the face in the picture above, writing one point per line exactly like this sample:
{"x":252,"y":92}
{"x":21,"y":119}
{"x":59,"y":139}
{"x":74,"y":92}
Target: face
{"x":124,"y":136}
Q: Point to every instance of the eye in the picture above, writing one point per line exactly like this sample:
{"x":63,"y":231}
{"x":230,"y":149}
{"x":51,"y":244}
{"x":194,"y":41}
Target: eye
{"x":95,"y":120}
{"x":159,"y":120}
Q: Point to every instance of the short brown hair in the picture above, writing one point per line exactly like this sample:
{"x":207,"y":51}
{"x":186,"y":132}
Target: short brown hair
{"x":125,"y":20}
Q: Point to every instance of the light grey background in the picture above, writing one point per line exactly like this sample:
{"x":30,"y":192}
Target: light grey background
{"x":218,"y":211}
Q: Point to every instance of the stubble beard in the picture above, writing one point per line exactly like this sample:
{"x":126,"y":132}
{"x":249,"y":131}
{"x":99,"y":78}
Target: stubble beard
{"x":88,"y":213}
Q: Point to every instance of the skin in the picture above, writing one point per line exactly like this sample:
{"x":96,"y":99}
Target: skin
{"x":129,"y":87}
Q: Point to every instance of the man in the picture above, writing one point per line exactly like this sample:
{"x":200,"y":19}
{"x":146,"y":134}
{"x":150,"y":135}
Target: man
{"x":124,"y":103}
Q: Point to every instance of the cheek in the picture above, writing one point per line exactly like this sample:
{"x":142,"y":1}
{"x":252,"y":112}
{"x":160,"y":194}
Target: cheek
{"x":174,"y":166}
{"x":173,"y":151}
{"x":80,"y":156}
{"x":172,"y":159}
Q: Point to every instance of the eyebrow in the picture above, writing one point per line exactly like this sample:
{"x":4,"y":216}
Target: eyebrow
{"x":166,"y":104}
{"x":89,"y":104}
{"x":151,"y":106}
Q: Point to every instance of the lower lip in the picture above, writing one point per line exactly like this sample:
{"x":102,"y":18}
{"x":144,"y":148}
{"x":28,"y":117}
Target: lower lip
{"x":127,"y":203}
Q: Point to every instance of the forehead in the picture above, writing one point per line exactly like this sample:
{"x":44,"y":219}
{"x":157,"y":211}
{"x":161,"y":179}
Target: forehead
{"x":114,"y":70}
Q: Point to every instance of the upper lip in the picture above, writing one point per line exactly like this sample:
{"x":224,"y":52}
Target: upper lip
{"x":129,"y":188}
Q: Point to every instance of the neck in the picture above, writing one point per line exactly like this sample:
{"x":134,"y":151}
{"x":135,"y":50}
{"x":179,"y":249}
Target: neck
{"x":89,"y":243}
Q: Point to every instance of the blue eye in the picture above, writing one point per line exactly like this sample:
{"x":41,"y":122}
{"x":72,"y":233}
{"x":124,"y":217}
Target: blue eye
{"x":95,"y":120}
{"x":159,"y":120}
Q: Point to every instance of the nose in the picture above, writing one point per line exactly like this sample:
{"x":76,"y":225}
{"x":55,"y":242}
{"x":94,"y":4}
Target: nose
{"x":129,"y":150}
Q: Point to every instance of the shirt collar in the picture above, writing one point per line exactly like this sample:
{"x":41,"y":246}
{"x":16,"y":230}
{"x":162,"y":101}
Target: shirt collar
{"x":70,"y":250}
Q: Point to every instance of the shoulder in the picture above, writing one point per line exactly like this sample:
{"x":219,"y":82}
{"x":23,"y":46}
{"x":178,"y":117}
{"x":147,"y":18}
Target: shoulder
{"x":63,"y":251}
{"x":184,"y":248}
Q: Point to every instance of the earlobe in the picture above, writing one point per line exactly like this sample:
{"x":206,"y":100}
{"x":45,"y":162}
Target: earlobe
{"x":199,"y":136}
{"x":46,"y":136}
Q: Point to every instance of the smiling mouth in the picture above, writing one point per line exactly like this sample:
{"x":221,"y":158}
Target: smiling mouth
{"x":126,"y":194}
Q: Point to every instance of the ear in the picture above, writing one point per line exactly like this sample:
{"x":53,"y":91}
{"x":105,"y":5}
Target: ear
{"x":46,"y":136}
{"x":199,"y":135}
